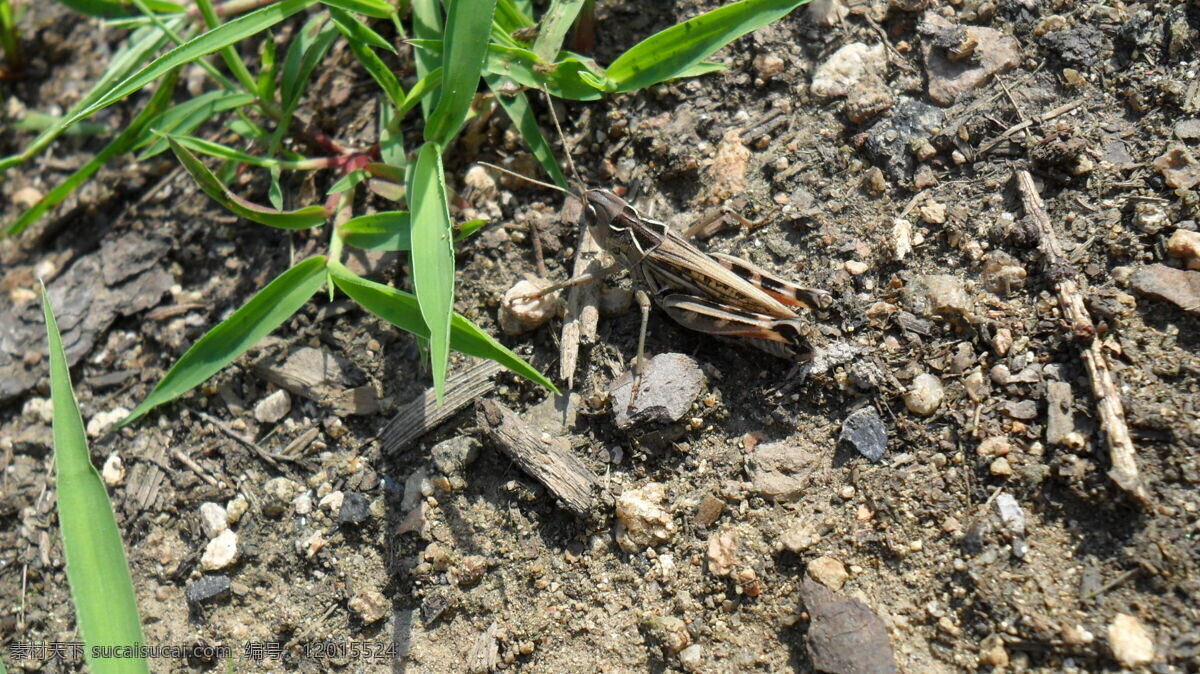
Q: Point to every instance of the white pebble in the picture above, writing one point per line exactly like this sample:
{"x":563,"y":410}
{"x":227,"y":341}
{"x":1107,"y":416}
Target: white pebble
{"x":220,"y":551}
{"x":213,"y":519}
{"x":925,"y":395}
{"x":104,"y":420}
{"x":273,"y":408}
{"x":113,"y":471}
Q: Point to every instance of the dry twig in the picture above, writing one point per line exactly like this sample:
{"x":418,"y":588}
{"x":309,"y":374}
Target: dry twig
{"x":424,"y":414}
{"x":1108,"y":401}
{"x":583,"y":315}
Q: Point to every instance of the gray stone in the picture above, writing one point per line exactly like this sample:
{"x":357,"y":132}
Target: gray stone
{"x":1011,"y":514}
{"x":1177,"y":286}
{"x":889,"y":139}
{"x":556,"y":414}
{"x":273,"y":408}
{"x":939,"y":295}
{"x":780,"y":471}
{"x":670,"y":384}
{"x":844,"y":635}
{"x":994,"y":53}
{"x":865,"y":430}
{"x":355,"y":508}
{"x":451,"y":457}
{"x":208,"y":589}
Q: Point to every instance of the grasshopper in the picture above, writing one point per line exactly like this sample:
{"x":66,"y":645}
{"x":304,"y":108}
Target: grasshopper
{"x":712,"y":293}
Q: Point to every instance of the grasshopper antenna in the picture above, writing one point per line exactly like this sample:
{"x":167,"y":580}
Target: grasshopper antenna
{"x":566,"y":150}
{"x":526,"y":178}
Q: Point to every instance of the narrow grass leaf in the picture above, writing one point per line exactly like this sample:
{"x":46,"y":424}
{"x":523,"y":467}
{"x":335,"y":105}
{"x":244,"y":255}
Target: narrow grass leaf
{"x":107,"y":9}
{"x":356,"y":30}
{"x":673,"y":51}
{"x":358,"y":37}
{"x":391,"y":139}
{"x":426,"y":25}
{"x":510,"y":16}
{"x":231,"y":337}
{"x":304,"y":54}
{"x":304,"y":218}
{"x":202,"y":45}
{"x":433,"y":256}
{"x":422,"y":91}
{"x":137,"y":50}
{"x":519,"y":111}
{"x":188,"y":116}
{"x":702,"y":68}
{"x":572,"y":77}
{"x":118,"y":146}
{"x":40,"y":121}
{"x":348,"y":181}
{"x":555,"y":23}
{"x":392,"y":230}
{"x":464,"y":49}
{"x":213,"y":149}
{"x":401,"y":310}
{"x":97,"y":569}
{"x":379,"y":9}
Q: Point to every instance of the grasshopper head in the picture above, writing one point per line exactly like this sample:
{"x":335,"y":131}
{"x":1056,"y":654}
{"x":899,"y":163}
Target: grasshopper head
{"x":607,"y":216}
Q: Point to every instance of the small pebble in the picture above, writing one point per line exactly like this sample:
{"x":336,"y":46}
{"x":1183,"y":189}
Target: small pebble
{"x":1001,"y":468}
{"x":996,"y":445}
{"x":641,"y":521}
{"x":303,"y":503}
{"x":829,"y":572}
{"x":26,"y":197}
{"x":113,"y":471}
{"x":332,"y":502}
{"x":278,"y":493}
{"x":102,"y":421}
{"x":855,"y":267}
{"x":355,"y":508}
{"x":800,"y":536}
{"x":933,"y":213}
{"x":38,"y":409}
{"x":213,"y":519}
{"x":520,"y":314}
{"x":925,"y":395}
{"x":667,"y":632}
{"x":847,"y":492}
{"x":273,"y":408}
{"x":1131,"y":641}
{"x":722,"y":552}
{"x":237,"y":506}
{"x":1185,"y":244}
{"x":310,"y":545}
{"x":370,"y":606}
{"x":768,"y":65}
{"x":1002,"y":341}
{"x":208,"y":589}
{"x":220,"y":551}
{"x":692,"y":658}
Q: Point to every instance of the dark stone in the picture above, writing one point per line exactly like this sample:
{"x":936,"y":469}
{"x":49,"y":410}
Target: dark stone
{"x":889,"y":139}
{"x":1177,"y":286}
{"x":208,"y":589}
{"x":355,"y":508}
{"x":845,"y":636}
{"x":865,"y":430}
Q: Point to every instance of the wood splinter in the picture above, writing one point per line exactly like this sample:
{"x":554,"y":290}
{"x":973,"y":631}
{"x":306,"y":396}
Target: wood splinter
{"x":546,"y":459}
{"x":1121,"y":452}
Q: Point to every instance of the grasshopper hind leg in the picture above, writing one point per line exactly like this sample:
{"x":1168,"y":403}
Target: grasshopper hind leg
{"x":639,"y":365}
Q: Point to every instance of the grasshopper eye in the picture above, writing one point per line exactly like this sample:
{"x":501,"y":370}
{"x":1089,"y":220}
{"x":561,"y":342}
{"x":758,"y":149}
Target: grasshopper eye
{"x":589,"y":214}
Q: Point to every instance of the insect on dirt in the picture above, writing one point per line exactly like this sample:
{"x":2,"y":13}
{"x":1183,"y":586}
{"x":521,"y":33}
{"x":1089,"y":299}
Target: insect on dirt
{"x":712,"y":293}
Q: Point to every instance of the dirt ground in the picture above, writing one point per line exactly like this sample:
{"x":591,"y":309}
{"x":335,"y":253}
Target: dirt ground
{"x":988,"y":536}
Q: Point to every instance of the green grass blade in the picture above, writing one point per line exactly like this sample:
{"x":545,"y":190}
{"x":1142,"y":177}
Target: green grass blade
{"x":555,"y":24}
{"x":511,"y":16}
{"x":188,"y":116}
{"x":573,"y":78}
{"x":139,"y":48}
{"x":387,"y":230}
{"x":303,"y":218}
{"x":356,"y":30}
{"x":118,"y":146}
{"x":40,"y":121}
{"x":391,"y":140}
{"x":427,"y":25}
{"x":464,"y":49}
{"x":101,"y":587}
{"x":230,"y":338}
{"x":213,"y":149}
{"x":106,"y":9}
{"x":202,"y":45}
{"x":378,"y":9}
{"x":358,"y":36}
{"x":421,"y":92}
{"x":401,"y":310}
{"x":518,"y":110}
{"x":392,"y":230}
{"x":433,"y":256}
{"x":673,"y":51}
{"x":303,"y":56}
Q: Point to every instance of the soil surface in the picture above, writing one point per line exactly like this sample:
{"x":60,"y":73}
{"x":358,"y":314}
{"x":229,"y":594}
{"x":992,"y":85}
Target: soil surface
{"x":870,"y":152}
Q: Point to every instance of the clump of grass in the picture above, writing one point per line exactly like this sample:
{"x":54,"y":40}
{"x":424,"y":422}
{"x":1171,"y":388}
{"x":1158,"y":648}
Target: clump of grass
{"x":457,"y":44}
